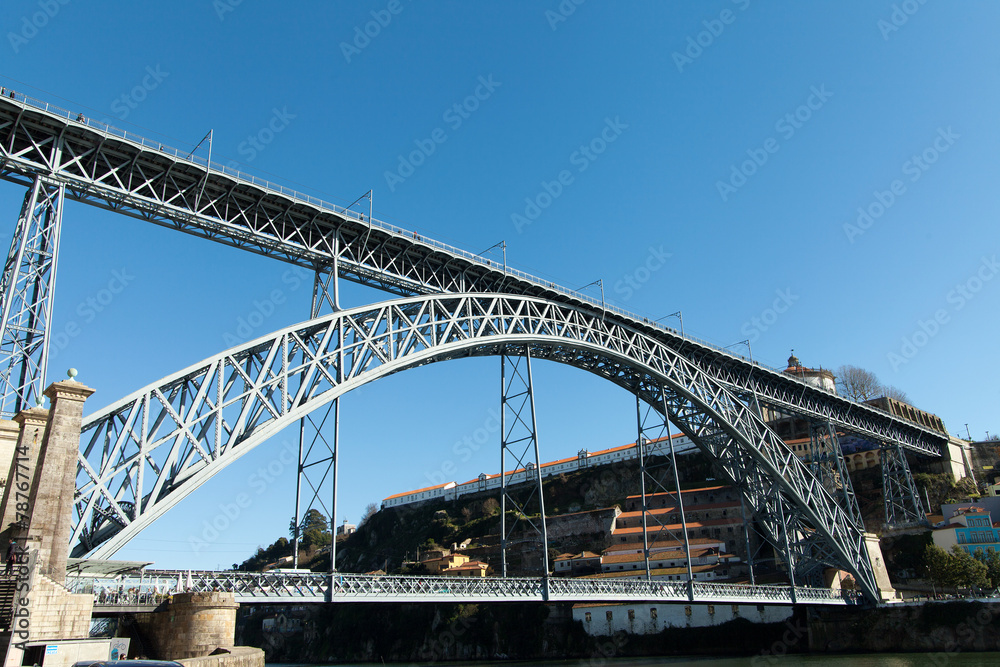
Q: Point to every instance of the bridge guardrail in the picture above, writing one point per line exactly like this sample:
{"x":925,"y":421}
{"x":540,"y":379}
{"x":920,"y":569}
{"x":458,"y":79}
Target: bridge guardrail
{"x":156,"y":586}
{"x":159,"y":146}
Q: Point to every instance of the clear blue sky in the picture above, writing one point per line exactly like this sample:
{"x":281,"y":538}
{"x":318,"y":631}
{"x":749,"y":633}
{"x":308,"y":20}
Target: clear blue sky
{"x":830,"y":103}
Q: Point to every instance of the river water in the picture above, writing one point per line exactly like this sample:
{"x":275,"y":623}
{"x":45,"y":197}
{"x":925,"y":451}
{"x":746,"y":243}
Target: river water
{"x":854,"y":660}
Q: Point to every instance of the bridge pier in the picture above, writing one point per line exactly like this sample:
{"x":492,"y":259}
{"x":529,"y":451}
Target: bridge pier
{"x":37,"y":511}
{"x":192,"y":625}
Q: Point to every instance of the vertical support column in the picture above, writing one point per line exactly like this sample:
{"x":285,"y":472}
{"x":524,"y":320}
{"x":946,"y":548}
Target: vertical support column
{"x":899,"y":492}
{"x":325,"y":297}
{"x":785,"y":525}
{"x":519,"y":438}
{"x":827,"y":463}
{"x":747,"y":523}
{"x":317,"y":459}
{"x":22,"y":469}
{"x":27,"y":288}
{"x":655,"y":439}
{"x":51,"y":500}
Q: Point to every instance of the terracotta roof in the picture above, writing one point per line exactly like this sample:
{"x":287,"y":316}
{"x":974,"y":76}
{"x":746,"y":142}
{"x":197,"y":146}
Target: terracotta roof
{"x":728,"y":521}
{"x":687,"y":508}
{"x":685,"y":491}
{"x":658,"y":555}
{"x":656,"y":572}
{"x":664,"y":545}
{"x":429,"y":488}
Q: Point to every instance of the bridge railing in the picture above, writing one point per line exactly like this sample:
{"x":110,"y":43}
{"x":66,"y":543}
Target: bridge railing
{"x":189,"y":156}
{"x":155,"y":586}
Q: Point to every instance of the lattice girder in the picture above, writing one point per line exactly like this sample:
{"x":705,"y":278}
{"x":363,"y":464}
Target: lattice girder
{"x":136,"y":177}
{"x":242,"y":397}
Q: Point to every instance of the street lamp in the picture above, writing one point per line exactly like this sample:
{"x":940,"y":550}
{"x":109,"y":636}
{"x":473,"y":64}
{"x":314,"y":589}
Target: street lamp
{"x":742,"y":342}
{"x":679,"y":316}
{"x":600,"y":283}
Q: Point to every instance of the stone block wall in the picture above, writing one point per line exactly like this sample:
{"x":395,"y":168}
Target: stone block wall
{"x":193,"y":625}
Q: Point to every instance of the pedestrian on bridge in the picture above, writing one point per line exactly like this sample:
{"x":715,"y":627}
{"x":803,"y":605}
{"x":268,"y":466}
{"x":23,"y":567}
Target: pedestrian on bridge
{"x":12,"y":552}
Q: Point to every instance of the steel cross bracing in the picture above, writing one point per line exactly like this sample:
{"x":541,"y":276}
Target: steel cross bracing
{"x":267,"y":587}
{"x":899,"y":492}
{"x":27,"y":289}
{"x":143,"y":454}
{"x":657,"y":474}
{"x":129,"y":174}
{"x":519,"y":441}
{"x":826,"y":458}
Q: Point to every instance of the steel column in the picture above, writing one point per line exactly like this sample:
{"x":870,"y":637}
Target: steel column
{"x":519,"y":438}
{"x":27,"y":289}
{"x":653,"y":423}
{"x":826,"y":460}
{"x":899,"y":492}
{"x":325,"y":299}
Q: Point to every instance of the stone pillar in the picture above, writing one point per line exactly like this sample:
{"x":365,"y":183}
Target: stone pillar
{"x":55,"y":479}
{"x":9,"y":431}
{"x":878,"y":565}
{"x":192,"y":625}
{"x":29,"y":444}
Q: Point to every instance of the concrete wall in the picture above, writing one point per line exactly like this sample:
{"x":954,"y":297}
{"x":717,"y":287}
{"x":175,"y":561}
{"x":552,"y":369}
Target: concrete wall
{"x":646,"y":619}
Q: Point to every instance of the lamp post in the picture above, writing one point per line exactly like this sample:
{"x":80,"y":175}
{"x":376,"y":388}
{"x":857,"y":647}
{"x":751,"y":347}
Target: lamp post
{"x":742,"y":342}
{"x":599,"y":282}
{"x":679,"y":316}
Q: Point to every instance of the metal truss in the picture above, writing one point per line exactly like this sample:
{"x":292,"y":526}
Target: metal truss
{"x":273,"y":588}
{"x":519,"y":440}
{"x":317,"y":459}
{"x":131,"y":175}
{"x":657,"y":472}
{"x":899,"y":492}
{"x":143,"y":454}
{"x":826,"y":458}
{"x":27,"y":289}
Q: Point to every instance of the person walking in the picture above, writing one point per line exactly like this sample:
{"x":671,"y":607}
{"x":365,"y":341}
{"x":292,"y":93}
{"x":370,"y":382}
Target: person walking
{"x":12,"y":552}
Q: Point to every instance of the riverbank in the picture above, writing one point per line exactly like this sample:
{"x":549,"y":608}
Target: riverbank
{"x":448,"y":632}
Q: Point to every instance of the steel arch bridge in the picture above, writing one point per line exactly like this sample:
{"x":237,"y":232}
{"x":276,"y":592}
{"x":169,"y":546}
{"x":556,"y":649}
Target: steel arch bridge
{"x":145,"y":453}
{"x":149,"y":450}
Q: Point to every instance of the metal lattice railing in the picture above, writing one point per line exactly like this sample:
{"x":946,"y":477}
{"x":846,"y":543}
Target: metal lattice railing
{"x":156,"y":586}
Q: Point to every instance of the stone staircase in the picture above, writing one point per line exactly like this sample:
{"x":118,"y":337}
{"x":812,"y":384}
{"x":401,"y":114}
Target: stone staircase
{"x":8,"y":589}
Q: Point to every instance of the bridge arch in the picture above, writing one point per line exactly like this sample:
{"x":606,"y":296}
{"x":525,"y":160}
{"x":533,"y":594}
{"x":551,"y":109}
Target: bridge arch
{"x":143,"y":454}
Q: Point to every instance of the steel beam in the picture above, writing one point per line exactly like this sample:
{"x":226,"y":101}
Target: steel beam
{"x":521,"y":474}
{"x":128,"y":174}
{"x":255,"y":390}
{"x":899,"y":492}
{"x":27,"y":290}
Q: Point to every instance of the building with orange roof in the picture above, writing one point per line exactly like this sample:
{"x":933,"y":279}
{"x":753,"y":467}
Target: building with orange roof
{"x":486,"y":482}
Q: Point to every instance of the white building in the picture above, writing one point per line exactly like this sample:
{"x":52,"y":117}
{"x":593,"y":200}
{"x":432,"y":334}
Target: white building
{"x":582,"y":461}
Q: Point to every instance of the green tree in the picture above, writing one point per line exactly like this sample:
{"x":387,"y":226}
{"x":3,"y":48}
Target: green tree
{"x":991,"y":559}
{"x":314,"y":530}
{"x":969,"y":571}
{"x":937,"y":562}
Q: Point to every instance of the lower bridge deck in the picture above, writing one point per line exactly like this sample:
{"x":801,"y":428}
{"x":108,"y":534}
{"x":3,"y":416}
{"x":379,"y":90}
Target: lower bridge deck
{"x":146,"y":591}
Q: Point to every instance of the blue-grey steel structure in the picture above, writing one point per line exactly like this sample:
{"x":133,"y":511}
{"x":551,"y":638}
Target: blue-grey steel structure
{"x":143,"y":454}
